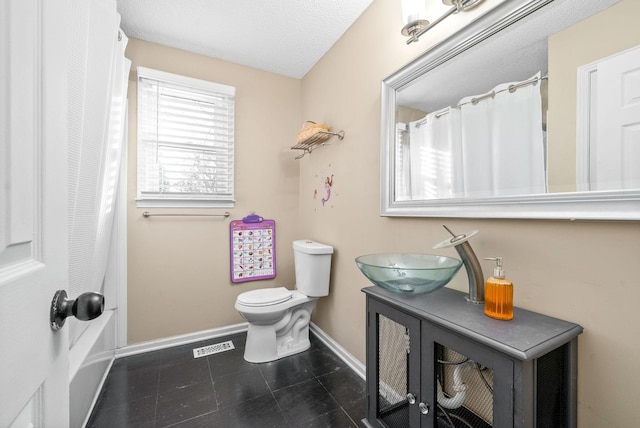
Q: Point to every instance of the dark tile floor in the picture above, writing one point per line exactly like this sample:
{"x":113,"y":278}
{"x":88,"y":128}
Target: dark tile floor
{"x":169,"y":388}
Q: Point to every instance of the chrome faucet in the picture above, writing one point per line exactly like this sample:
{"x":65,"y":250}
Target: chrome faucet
{"x":470,"y":261}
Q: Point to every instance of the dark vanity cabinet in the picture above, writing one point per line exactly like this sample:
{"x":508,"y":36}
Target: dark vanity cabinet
{"x":435,"y":360}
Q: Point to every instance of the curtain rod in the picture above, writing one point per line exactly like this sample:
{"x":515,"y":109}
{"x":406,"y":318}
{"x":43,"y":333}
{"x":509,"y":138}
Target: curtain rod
{"x":147,"y":214}
{"x":511,"y":88}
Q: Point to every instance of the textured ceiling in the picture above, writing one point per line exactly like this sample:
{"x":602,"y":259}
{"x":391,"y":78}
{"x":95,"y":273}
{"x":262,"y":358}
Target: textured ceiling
{"x":281,"y":36}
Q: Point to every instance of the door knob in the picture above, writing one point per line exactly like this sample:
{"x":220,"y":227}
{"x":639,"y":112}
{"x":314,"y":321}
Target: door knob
{"x":86,"y":307}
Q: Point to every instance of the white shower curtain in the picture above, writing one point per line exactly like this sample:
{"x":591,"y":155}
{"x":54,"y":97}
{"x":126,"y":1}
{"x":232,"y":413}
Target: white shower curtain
{"x":436,"y":156}
{"x":503,"y":144}
{"x":402,"y":163}
{"x":477,"y":142}
{"x":97,"y":105}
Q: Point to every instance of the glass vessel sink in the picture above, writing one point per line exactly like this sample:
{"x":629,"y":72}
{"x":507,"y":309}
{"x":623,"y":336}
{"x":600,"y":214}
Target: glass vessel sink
{"x":410,"y":273}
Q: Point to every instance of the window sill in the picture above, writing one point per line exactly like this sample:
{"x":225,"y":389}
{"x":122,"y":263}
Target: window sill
{"x":181,"y":203}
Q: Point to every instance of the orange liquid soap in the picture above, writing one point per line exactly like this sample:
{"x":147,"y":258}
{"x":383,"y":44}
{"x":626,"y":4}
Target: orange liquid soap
{"x":498,"y":294}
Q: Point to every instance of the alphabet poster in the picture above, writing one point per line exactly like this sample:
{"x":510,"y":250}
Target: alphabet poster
{"x":253,"y":255}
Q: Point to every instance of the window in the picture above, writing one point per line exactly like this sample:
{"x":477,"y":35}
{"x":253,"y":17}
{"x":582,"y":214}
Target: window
{"x":185,"y":141}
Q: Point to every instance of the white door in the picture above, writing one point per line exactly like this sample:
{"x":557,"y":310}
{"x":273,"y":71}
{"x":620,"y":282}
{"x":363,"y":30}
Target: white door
{"x":617,"y":153}
{"x":33,"y":211}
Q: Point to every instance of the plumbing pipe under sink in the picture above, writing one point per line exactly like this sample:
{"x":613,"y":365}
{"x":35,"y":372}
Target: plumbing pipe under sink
{"x":458,"y":386}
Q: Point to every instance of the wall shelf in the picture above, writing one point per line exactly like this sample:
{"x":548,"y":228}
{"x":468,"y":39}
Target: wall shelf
{"x":316,"y":140}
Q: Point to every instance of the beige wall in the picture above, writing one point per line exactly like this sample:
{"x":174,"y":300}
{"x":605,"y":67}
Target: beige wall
{"x":602,"y":35}
{"x":585,"y":272}
{"x":179,"y":278}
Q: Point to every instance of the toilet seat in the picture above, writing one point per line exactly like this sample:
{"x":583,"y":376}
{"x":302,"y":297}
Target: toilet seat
{"x":264,"y":297}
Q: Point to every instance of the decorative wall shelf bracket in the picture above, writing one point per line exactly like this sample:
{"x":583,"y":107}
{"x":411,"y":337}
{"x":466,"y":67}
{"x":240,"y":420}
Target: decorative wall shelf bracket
{"x":316,"y":140}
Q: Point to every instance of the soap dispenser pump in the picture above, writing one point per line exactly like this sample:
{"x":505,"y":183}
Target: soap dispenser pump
{"x":498,"y":298}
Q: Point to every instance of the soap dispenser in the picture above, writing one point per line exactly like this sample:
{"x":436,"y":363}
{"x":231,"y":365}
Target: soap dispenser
{"x":498,"y":294}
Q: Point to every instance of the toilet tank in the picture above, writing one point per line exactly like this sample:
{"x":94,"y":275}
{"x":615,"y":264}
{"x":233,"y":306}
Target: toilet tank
{"x":312,"y":261}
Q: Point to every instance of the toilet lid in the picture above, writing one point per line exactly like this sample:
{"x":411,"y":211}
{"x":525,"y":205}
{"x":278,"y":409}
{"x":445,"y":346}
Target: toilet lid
{"x":264,"y":296}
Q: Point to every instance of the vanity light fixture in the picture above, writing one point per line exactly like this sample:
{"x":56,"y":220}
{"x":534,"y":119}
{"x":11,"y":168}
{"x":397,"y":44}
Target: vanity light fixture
{"x":414,"y":18}
{"x":415,"y":22}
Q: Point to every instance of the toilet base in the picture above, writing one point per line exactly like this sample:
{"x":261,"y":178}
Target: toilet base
{"x":264,"y":345}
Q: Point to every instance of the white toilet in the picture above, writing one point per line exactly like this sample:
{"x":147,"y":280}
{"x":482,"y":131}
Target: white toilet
{"x":279,"y":318}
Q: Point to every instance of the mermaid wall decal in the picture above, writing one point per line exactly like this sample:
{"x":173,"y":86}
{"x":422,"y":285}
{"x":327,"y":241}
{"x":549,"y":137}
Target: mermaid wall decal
{"x":328,"y":182}
{"x":325,"y":178}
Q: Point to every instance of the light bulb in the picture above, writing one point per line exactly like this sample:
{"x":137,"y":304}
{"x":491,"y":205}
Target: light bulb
{"x":413,"y":10}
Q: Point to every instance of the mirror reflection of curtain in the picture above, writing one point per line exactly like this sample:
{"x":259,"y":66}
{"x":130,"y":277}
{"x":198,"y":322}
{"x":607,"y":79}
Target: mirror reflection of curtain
{"x":503,"y":142}
{"x":436,"y":155}
{"x":403,"y":163}
{"x":477,"y":145}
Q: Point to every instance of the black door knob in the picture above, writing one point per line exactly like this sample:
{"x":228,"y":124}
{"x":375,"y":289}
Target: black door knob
{"x":86,"y":307}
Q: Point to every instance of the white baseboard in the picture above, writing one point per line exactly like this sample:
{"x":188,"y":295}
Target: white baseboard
{"x":342,"y":353}
{"x":184,"y":339}
{"x":168,"y":342}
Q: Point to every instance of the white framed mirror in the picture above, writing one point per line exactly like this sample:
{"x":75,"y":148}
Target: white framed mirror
{"x":456,"y":141}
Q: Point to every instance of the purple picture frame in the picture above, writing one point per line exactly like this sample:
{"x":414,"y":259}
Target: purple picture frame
{"x":252,"y":243}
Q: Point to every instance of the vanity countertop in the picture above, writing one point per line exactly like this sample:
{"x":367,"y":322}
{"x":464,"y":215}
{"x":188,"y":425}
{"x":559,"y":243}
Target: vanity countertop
{"x":527,"y":336}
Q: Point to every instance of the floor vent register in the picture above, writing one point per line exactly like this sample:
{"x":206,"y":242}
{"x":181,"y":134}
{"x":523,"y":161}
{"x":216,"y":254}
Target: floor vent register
{"x":213,"y":349}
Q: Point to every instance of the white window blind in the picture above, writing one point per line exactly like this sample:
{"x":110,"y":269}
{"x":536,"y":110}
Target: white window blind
{"x":185,"y":141}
